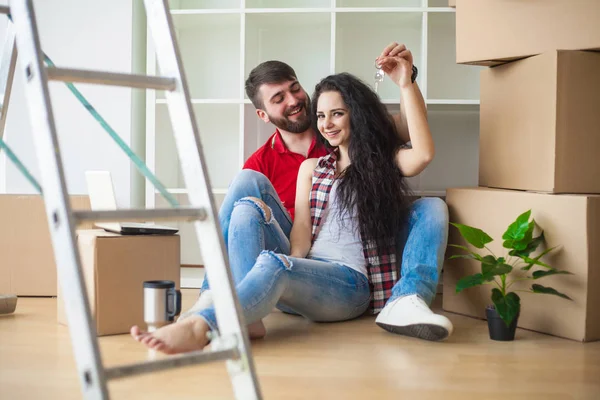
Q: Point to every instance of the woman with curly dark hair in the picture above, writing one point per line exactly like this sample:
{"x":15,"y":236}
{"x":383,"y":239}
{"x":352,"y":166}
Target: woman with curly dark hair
{"x":351,"y":211}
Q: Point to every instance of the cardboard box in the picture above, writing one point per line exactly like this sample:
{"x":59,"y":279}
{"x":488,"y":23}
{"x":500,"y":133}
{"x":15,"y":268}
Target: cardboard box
{"x":490,"y":32}
{"x":115,"y":268}
{"x":540,"y":123}
{"x":571,"y":221}
{"x":27,"y":267}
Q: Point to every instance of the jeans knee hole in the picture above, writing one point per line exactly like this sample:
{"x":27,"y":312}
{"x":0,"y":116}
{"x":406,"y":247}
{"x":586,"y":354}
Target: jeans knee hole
{"x":281,"y":258}
{"x":264,"y":209}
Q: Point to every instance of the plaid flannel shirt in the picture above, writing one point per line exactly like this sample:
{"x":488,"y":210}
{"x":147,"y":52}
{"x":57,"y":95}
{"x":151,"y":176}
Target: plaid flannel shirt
{"x":381,"y":262}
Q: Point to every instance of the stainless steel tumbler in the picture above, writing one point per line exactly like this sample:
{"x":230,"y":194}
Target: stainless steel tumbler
{"x":162,"y":302}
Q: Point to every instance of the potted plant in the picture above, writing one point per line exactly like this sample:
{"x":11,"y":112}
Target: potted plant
{"x":520,"y":243}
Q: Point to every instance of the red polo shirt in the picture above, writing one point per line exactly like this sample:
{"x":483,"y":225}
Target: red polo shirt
{"x":281,"y":166}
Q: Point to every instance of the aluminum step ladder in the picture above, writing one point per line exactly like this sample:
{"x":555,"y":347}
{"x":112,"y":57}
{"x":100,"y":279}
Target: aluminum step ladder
{"x":232,"y":343}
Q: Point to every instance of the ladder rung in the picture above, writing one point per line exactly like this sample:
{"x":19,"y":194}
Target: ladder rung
{"x":180,"y":214}
{"x":4,"y":10}
{"x":196,"y":357}
{"x":110,"y":78}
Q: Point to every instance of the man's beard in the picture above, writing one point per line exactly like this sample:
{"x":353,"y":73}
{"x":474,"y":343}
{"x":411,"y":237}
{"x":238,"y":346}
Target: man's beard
{"x":298,"y":126}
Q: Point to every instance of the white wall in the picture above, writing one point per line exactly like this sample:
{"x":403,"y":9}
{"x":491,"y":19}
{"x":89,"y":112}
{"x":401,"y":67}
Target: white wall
{"x":79,"y":34}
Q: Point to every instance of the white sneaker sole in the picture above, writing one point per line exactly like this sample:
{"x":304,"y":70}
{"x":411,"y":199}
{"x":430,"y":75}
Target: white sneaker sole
{"x":431,"y":332}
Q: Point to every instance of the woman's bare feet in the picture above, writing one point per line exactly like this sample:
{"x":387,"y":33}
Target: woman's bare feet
{"x":188,"y":335}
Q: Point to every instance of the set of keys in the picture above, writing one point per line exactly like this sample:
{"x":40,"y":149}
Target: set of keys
{"x":379,"y":74}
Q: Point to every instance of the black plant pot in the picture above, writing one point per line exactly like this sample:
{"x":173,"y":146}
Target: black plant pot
{"x":498,"y":329}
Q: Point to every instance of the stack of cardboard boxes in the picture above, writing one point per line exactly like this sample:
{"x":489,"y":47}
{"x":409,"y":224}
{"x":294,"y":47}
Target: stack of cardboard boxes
{"x":539,"y":150}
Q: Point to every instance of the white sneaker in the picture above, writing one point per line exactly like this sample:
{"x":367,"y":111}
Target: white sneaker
{"x":204,"y":301}
{"x":410,"y":316}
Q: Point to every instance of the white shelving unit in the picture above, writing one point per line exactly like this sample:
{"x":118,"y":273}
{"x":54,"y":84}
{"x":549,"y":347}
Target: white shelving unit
{"x":222,"y":40}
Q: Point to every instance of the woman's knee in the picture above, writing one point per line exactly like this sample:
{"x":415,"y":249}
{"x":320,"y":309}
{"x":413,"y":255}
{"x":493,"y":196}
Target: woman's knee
{"x":433,"y":209}
{"x":273,"y":260}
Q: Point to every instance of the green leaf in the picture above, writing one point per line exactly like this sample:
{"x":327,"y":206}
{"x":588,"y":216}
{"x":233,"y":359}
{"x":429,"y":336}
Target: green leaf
{"x":541,"y":274}
{"x":470,"y":255}
{"x":487,"y":264}
{"x":548,"y":290}
{"x":490,"y":267}
{"x":536,"y":261}
{"x":474,"y":236}
{"x":507,"y":306}
{"x":517,"y":231}
{"x":531,"y":247}
{"x":500,"y":269}
{"x":469,"y":281}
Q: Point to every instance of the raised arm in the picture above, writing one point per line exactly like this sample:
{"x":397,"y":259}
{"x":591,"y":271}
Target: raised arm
{"x":391,"y":50}
{"x":414,"y":160}
{"x":300,"y":238}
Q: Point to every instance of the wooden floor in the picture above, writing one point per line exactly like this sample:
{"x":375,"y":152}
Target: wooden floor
{"x":302,"y":360}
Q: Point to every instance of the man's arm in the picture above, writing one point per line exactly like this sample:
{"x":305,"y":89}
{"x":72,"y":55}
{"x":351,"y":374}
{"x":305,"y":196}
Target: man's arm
{"x":301,"y":235}
{"x":392,"y":50}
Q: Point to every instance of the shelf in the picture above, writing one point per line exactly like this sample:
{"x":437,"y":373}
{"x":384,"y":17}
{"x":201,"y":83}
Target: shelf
{"x":453,"y":101}
{"x":459,"y":102}
{"x":219,"y":133}
{"x":206,"y":5}
{"x":256,"y":131}
{"x":430,"y":193}
{"x":304,"y":10}
{"x":301,"y":4}
{"x":378,"y":3}
{"x":359,"y":40}
{"x":439,"y":4}
{"x":456,"y":161}
{"x":210,"y":48}
{"x":452,"y":105}
{"x":207,"y":101}
{"x":300,"y":40}
{"x":446,"y":79}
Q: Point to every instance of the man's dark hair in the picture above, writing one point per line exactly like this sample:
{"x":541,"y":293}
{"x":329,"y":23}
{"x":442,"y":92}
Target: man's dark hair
{"x":267,"y":72}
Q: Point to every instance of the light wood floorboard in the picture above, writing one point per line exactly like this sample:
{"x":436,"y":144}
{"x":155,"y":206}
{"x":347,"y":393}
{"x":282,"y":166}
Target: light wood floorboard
{"x":303,"y":360}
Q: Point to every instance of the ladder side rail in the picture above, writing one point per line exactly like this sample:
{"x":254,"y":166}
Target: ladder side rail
{"x":7,"y":74}
{"x":212,"y":246}
{"x":58,"y":209}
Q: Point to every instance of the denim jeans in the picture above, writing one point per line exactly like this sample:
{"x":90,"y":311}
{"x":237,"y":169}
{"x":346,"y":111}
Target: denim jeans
{"x":249,"y":183}
{"x":318,"y":290}
{"x":421,"y":247}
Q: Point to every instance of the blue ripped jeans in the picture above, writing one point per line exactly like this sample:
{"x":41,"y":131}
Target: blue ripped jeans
{"x":265,"y":279}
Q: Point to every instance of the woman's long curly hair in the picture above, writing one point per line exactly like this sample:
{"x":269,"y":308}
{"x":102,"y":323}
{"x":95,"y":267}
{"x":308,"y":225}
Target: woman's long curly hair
{"x":372,"y":183}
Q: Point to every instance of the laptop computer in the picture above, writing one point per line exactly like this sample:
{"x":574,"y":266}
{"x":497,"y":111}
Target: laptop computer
{"x":102,"y":197}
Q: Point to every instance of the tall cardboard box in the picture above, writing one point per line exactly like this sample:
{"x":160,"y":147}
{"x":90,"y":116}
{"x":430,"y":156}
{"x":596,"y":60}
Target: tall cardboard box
{"x":27,"y":267}
{"x":490,"y":32}
{"x":540,"y":123}
{"x":571,"y":221}
{"x":115,"y":268}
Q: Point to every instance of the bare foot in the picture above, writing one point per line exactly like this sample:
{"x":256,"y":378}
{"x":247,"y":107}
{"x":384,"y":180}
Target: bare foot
{"x":188,"y":335}
{"x":257,"y":330}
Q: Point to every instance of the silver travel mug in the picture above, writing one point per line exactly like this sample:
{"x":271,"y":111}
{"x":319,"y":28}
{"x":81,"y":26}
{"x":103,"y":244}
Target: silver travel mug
{"x":162,"y":302}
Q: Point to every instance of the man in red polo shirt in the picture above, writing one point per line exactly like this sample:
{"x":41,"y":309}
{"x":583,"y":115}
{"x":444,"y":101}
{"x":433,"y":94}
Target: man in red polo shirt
{"x":270,"y":174}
